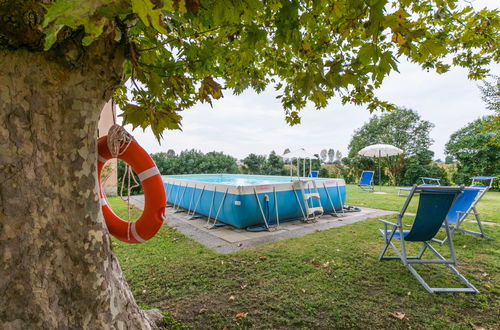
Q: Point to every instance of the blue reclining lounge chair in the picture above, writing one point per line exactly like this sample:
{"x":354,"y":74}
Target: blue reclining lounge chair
{"x":465,"y":205}
{"x":482,"y":179}
{"x":366,"y":180}
{"x":429,"y":182}
{"x":434,"y":204}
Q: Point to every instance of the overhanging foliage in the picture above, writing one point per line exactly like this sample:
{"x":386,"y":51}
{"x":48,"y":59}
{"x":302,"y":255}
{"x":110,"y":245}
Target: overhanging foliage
{"x":185,"y":51}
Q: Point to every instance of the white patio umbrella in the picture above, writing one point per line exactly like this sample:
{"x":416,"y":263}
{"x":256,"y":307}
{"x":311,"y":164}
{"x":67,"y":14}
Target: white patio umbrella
{"x":300,"y":154}
{"x":379,"y":151}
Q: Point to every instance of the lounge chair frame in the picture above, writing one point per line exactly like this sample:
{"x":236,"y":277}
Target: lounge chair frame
{"x":391,"y":228}
{"x":366,"y":186}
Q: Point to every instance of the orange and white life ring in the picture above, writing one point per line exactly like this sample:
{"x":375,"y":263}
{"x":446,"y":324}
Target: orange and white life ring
{"x":151,"y":219}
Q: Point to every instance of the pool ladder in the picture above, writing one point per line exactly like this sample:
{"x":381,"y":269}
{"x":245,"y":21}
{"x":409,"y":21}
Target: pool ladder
{"x":311,"y":211}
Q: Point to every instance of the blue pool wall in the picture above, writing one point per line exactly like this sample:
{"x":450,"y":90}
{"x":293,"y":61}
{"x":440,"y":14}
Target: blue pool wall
{"x":242,"y":210}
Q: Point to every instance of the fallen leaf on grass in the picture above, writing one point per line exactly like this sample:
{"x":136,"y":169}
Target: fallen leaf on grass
{"x":243,"y":286}
{"x":241,"y":315}
{"x":409,"y":293}
{"x":222,"y":262}
{"x":144,"y":291}
{"x":303,"y":291}
{"x":487,"y":287}
{"x":231,"y":298}
{"x":465,"y":246}
{"x":485,"y":275}
{"x":262,"y":257}
{"x":202,"y":310}
{"x":225,"y":328}
{"x":317,"y":230}
{"x":477,"y":327}
{"x":326,"y":264}
{"x":399,"y":316}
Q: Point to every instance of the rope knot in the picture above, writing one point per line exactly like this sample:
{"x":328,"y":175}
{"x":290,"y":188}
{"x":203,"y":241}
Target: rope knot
{"x":117,"y":138}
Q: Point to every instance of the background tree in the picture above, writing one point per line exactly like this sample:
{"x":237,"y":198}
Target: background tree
{"x":163,"y":162}
{"x":255,"y":164}
{"x":331,"y":156}
{"x":338,"y":156}
{"x":448,"y":160}
{"x":323,"y":155}
{"x":491,"y":96}
{"x":194,"y":161}
{"x":404,"y":129}
{"x":170,"y":153}
{"x":274,"y":165}
{"x":286,"y":151}
{"x":474,"y":152}
{"x":61,"y":61}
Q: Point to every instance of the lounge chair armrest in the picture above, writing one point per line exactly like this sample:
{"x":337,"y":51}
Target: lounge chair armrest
{"x":388,"y":222}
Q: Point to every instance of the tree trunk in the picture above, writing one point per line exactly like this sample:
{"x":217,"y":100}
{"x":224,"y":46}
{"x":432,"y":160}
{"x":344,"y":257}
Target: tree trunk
{"x":57,"y":269}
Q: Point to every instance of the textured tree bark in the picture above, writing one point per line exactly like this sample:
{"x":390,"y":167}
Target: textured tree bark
{"x":57,"y":269}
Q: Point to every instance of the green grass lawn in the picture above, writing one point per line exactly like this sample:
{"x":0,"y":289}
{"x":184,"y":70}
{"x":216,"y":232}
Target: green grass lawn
{"x":328,"y":279}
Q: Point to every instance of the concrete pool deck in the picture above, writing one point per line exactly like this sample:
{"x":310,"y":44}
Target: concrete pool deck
{"x":227,"y":239}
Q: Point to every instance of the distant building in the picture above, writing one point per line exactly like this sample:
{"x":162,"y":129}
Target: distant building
{"x":109,"y":174}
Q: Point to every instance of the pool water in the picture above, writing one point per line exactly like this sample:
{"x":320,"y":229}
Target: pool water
{"x":234,"y":179}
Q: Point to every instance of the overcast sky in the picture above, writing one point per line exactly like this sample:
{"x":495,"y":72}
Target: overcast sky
{"x":255,"y":123}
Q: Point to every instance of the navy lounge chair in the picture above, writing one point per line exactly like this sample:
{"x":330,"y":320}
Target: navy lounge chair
{"x":366,"y":181}
{"x":433,"y":207}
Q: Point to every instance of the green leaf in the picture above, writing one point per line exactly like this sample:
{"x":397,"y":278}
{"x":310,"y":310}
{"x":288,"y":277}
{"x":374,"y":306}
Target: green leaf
{"x":177,"y":50}
{"x":368,"y":53}
{"x":155,"y":84}
{"x":142,"y":8}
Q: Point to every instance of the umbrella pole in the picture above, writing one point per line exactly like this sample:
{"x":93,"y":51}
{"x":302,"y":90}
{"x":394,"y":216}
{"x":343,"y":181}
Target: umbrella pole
{"x":379,"y":176}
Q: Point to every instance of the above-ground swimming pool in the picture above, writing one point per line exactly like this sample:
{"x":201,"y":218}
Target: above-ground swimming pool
{"x":252,"y":200}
